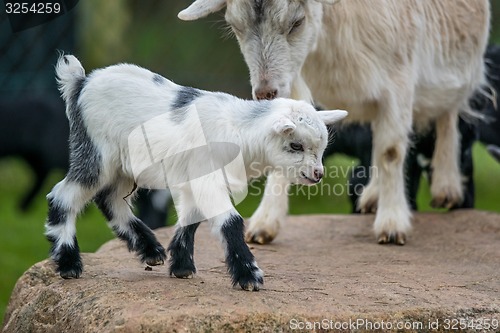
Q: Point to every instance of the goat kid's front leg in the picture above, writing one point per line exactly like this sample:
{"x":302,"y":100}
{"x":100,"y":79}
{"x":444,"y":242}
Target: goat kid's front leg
{"x":181,"y":251}
{"x":446,"y":187}
{"x":265,"y":223}
{"x":207,"y":198}
{"x":239,"y":260}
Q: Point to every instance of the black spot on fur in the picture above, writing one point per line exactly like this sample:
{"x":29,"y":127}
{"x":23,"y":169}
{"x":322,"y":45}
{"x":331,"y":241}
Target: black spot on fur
{"x":185,"y":96}
{"x":181,"y":251}
{"x":259,"y":109}
{"x":84,"y":159}
{"x":143,"y":241}
{"x":158,"y":79}
{"x":57,"y":215}
{"x":102,"y":200}
{"x":73,"y":98}
{"x":68,"y":260}
{"x":239,"y":259}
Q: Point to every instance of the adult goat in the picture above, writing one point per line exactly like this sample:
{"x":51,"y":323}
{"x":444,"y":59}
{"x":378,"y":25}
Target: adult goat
{"x":398,"y":64}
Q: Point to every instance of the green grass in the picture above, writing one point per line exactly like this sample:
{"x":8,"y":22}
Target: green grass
{"x":22,"y":243}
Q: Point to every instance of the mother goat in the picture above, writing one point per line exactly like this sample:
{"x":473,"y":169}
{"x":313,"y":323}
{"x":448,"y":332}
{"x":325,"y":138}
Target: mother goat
{"x":398,"y":64}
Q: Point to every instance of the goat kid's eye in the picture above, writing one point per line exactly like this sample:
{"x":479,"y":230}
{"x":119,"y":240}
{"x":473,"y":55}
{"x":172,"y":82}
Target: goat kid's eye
{"x":296,"y":146}
{"x":296,"y":25}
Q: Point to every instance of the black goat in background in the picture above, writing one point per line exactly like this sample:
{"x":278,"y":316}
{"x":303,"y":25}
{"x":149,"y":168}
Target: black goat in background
{"x":35,"y":129}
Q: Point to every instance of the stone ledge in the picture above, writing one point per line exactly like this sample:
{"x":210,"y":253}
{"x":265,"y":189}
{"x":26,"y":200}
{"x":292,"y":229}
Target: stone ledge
{"x":319,"y":267}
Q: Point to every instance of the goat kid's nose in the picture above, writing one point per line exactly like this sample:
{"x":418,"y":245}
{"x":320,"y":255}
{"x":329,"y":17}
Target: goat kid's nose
{"x":318,"y":174}
{"x":266,"y":93}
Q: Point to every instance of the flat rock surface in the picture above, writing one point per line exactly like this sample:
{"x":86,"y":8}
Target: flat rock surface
{"x":325,"y":271}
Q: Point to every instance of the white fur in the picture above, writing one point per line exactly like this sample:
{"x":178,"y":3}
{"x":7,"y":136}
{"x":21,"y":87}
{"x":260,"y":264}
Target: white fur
{"x":120,"y":103}
{"x":400,"y":64}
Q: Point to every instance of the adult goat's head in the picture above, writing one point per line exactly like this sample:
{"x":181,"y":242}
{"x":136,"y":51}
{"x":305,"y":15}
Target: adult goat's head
{"x":275,"y":37}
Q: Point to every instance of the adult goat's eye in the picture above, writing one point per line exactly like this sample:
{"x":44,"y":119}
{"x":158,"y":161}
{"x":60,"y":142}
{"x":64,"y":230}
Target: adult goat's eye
{"x":236,"y":30}
{"x":296,"y":24}
{"x":296,"y":146}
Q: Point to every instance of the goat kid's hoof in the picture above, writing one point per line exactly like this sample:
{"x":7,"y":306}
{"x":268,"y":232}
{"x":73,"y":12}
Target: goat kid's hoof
{"x":250,"y":278}
{"x":183,"y":274}
{"x":254,"y":283}
{"x":157,"y":258}
{"x":251,"y":286}
{"x":155,"y":262}
{"x":70,"y":274}
{"x":259,"y":237}
{"x":398,"y":238}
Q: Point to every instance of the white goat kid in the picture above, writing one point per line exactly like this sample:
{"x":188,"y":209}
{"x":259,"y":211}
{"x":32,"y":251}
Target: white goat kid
{"x":399,"y":64}
{"x":109,"y":105}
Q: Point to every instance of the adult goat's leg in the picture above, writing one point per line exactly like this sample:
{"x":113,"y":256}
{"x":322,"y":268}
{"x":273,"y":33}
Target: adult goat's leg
{"x":391,"y":130}
{"x":446,"y":187}
{"x":265,"y":223}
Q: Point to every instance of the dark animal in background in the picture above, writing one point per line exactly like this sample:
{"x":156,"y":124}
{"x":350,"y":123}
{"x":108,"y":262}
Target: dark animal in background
{"x":35,"y":129}
{"x":494,"y":151}
{"x":152,"y":206}
{"x":489,"y":130}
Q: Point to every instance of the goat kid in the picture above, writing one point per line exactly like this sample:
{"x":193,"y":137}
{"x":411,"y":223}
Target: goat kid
{"x":109,"y":105}
{"x":398,"y":64}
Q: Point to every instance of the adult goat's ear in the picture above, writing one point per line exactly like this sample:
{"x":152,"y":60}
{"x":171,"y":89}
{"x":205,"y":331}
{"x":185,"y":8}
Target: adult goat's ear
{"x":284,"y":126}
{"x":201,"y":8}
{"x":332,"y":116}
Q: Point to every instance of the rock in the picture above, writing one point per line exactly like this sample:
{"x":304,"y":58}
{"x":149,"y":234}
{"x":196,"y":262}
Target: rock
{"x":324,"y":269}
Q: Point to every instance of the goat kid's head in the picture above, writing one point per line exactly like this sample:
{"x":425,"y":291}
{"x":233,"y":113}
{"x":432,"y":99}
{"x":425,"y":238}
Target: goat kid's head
{"x":298,"y":139}
{"x":275,"y":37}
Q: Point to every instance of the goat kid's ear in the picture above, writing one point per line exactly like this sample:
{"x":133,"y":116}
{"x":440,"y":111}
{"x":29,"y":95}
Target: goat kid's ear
{"x":332,"y":116}
{"x":284,"y":126}
{"x":201,"y":8}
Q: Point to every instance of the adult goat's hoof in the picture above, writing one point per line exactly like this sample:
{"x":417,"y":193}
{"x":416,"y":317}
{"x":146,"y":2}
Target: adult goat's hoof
{"x":398,"y":238}
{"x":259,"y":237}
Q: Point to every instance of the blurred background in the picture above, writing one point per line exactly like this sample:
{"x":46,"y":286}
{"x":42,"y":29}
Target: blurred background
{"x":146,"y":33}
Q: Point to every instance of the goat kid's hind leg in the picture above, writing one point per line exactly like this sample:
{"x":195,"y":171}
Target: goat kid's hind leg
{"x":65,"y":201}
{"x":265,"y":223}
{"x":391,"y":131}
{"x":114,"y":202}
{"x":446,"y":187}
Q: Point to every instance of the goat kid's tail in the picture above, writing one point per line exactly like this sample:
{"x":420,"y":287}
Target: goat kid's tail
{"x":70,"y":77}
